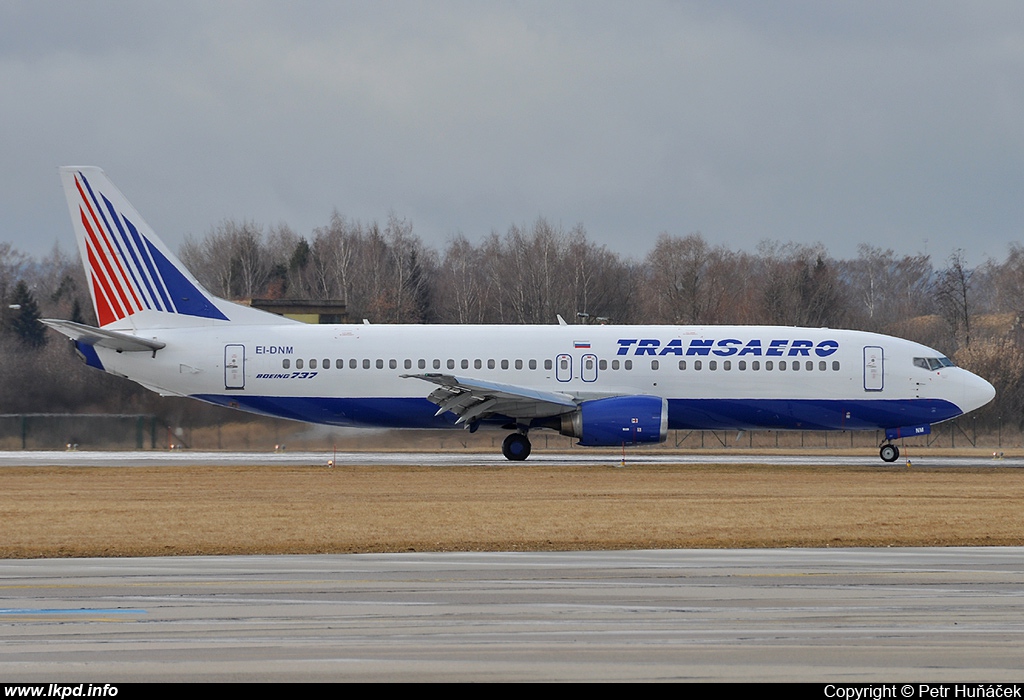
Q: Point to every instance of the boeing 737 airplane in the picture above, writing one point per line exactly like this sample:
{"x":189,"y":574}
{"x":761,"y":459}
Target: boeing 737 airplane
{"x":604,"y":385}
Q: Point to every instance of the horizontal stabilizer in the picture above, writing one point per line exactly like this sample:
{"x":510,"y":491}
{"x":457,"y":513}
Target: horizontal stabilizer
{"x":123,"y":342}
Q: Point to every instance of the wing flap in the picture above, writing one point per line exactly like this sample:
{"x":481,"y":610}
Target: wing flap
{"x":474,"y":399}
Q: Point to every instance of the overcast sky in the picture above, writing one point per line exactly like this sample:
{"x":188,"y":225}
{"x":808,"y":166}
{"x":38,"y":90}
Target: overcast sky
{"x":893,"y":124}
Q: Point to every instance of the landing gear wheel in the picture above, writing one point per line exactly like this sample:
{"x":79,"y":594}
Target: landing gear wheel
{"x":889,"y":453}
{"x":516,"y":447}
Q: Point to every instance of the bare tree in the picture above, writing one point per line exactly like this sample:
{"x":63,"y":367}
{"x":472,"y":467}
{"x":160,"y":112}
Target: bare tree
{"x":687,"y":280}
{"x":230,"y":260}
{"x":461,"y":283}
{"x":1005,"y":282}
{"x":13,"y":265}
{"x":953,"y":296}
{"x":800,"y":286}
{"x":332,"y":254}
{"x":885,"y":288}
{"x":601,"y":284}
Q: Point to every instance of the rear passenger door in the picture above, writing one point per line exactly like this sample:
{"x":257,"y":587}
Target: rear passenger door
{"x":234,"y":366}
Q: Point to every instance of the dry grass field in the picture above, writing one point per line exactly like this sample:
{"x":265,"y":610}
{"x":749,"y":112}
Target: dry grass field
{"x":76,"y":511}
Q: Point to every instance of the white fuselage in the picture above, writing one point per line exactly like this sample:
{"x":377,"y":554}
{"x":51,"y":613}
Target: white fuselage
{"x":712,"y":376}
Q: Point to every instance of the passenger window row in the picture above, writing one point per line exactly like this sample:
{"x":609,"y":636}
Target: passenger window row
{"x":408,"y":364}
{"x":756,"y":365}
{"x":696,"y":365}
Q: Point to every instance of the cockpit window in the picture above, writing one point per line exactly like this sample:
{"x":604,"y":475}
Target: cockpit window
{"x":933,"y":363}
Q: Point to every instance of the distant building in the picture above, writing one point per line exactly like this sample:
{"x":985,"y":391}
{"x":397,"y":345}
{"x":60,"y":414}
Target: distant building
{"x":305,"y":310}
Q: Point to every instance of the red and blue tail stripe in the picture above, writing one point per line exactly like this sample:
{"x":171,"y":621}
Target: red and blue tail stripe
{"x":127,"y":272}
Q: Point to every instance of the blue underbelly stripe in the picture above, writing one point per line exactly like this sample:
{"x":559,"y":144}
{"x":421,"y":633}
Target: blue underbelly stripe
{"x":684,"y":414}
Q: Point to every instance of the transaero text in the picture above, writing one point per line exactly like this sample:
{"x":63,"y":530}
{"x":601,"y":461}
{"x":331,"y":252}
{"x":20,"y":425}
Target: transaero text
{"x":728,"y":346}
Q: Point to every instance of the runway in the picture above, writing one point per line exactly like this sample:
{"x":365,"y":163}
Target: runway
{"x":159,"y":458}
{"x":844,"y":616}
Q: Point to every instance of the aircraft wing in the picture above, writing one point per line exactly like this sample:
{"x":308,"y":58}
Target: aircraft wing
{"x":115,"y":340}
{"x":474,"y":399}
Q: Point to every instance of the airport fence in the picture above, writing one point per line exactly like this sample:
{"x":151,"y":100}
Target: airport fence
{"x":58,"y":431}
{"x":61,"y":431}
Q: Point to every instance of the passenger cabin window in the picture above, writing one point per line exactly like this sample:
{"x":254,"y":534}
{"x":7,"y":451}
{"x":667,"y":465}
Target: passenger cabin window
{"x":286,"y":363}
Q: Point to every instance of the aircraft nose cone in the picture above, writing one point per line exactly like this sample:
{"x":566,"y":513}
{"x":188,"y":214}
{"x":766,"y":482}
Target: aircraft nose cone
{"x":977,"y":392}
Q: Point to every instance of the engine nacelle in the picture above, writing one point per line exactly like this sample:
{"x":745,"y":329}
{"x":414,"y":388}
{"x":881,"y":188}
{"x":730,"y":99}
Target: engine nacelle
{"x":618,"y":420}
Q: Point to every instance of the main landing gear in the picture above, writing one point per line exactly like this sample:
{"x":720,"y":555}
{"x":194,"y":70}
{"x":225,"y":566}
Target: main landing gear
{"x":889,"y":452}
{"x":516,"y":447}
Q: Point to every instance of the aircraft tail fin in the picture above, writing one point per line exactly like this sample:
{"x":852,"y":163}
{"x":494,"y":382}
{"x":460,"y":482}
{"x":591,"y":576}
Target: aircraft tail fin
{"x":135,"y":281}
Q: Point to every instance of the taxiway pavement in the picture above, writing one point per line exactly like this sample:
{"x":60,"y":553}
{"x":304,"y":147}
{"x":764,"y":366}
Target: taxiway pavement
{"x":844,"y":616}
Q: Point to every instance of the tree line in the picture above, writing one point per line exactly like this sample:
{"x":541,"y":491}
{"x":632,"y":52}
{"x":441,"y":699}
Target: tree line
{"x":385,"y":273}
